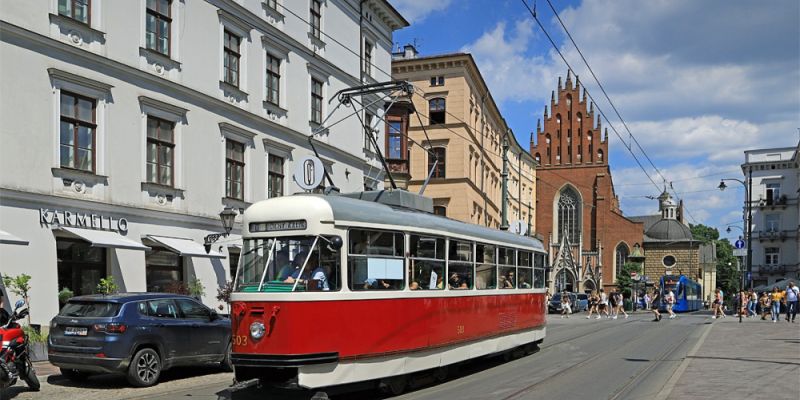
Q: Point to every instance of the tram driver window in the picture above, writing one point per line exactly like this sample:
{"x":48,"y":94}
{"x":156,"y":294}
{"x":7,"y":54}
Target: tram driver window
{"x":507,"y":268}
{"x":524,"y":270}
{"x":426,"y":262}
{"x":375,"y":260}
{"x":486,"y":267}
{"x":459,"y":266}
{"x":539,"y":265}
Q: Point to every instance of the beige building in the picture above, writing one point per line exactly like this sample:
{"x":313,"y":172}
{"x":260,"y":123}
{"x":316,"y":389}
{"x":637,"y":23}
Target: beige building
{"x":457,"y":136}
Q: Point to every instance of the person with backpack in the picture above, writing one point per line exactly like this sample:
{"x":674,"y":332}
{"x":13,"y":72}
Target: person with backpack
{"x":791,"y":301}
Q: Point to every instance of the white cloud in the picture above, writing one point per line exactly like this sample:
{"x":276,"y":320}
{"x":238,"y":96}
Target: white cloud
{"x":416,"y":10}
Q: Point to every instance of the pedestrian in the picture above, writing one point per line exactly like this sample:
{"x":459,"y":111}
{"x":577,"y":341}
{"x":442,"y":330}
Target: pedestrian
{"x":592,"y":304}
{"x":612,"y":302}
{"x":776,"y":298}
{"x":566,"y":304}
{"x":751,"y":305}
{"x":670,"y":299}
{"x":743,"y":298}
{"x":791,"y":301}
{"x":654,"y":301}
{"x":647,"y":301}
{"x":602,"y":304}
{"x":620,"y":305}
{"x":765,"y":305}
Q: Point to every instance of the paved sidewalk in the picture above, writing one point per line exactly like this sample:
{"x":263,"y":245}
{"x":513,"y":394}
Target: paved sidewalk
{"x":752,"y":360}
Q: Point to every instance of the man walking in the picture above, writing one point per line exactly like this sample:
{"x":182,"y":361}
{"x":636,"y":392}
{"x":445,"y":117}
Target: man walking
{"x":670,"y":298}
{"x":791,"y":301}
{"x":655,"y":300}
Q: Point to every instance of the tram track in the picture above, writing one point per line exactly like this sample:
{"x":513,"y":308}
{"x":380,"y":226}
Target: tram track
{"x":576,"y":366}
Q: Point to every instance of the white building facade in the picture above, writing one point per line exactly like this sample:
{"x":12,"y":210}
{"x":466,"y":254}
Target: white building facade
{"x":775,"y":213}
{"x":129,"y":125}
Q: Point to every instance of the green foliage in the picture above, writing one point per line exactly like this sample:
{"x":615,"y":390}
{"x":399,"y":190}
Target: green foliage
{"x":107,"y":286}
{"x":703,"y":233}
{"x":64,"y":295}
{"x":19,"y":285}
{"x":624,"y":281}
{"x":196,"y":288}
{"x":728,"y":276}
{"x":34,"y":335}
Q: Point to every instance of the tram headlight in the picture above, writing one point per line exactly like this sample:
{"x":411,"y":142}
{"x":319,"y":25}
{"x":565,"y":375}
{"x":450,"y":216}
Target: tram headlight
{"x":257,"y":330}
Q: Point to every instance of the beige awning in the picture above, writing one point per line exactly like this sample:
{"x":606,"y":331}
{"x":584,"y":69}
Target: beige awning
{"x":7,"y":238}
{"x":105,"y":239}
{"x":185,"y":247}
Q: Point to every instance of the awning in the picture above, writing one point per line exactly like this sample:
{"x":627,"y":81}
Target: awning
{"x":8,"y":238}
{"x":185,"y":247}
{"x":105,"y":239}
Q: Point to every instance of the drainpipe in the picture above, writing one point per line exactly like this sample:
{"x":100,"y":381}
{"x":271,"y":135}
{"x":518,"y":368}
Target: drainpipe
{"x":504,"y":216}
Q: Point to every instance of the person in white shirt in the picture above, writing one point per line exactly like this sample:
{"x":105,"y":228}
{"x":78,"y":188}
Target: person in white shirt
{"x":792,"y":293}
{"x":602,"y":306}
{"x":670,"y":299}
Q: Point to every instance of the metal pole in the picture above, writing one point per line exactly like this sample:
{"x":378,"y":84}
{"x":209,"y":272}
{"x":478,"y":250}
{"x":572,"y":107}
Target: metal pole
{"x":748,"y":193}
{"x":529,"y":218}
{"x":504,"y":209}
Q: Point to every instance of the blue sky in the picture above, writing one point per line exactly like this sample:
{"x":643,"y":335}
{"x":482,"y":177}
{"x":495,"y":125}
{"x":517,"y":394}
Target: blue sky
{"x":697,"y":82}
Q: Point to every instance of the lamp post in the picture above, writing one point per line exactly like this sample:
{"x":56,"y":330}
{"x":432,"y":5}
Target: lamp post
{"x":748,"y":186}
{"x":227,"y":216}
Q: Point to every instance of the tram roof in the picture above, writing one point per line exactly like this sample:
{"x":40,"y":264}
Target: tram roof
{"x":370,"y":212}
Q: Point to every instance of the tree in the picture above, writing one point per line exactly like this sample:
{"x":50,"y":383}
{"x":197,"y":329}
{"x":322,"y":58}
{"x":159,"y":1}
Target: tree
{"x":20,"y":285}
{"x":703,"y":233}
{"x":728,"y":275}
{"x":624,"y":281}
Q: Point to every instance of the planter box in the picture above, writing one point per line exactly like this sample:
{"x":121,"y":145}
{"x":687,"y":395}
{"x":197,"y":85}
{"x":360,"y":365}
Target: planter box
{"x":38,"y":351}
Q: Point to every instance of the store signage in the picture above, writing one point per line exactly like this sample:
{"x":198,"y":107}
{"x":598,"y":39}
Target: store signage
{"x":297,"y":225}
{"x":82,"y":220}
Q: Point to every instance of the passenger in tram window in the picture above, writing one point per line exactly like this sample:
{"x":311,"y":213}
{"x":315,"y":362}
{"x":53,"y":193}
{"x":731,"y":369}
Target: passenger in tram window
{"x":414,"y":286}
{"x":524,"y":281}
{"x":456,"y":282}
{"x":320,"y":275}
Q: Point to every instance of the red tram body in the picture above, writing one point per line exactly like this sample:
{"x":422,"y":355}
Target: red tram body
{"x":297,"y":333}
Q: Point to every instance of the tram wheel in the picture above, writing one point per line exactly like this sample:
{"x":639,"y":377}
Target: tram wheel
{"x":395,"y":385}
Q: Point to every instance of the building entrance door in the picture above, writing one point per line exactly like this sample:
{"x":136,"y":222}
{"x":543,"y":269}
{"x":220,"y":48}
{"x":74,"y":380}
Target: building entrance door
{"x":80,"y":266}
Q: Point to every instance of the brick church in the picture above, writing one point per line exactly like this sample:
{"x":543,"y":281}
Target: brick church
{"x":588,"y":237}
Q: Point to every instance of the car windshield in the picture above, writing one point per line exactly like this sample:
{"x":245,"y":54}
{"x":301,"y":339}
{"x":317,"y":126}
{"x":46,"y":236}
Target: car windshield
{"x":583,"y":296}
{"x":89,"y":309}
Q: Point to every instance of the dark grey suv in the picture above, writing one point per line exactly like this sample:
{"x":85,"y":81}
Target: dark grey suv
{"x":137,"y":334}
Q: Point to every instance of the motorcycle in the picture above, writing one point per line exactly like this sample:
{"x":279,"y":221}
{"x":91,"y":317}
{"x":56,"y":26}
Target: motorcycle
{"x":14,"y":353}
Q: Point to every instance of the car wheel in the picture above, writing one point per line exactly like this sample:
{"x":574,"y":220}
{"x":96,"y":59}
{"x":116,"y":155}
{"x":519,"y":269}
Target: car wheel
{"x":226,"y":363}
{"x":145,"y":368}
{"x":74,"y":375}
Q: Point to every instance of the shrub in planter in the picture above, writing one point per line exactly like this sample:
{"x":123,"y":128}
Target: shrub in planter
{"x":64,"y":295}
{"x":37,"y":342}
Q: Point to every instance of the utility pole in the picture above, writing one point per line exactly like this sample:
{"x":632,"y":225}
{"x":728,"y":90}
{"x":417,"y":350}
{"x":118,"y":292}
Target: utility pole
{"x":504,"y":212}
{"x":749,"y":195}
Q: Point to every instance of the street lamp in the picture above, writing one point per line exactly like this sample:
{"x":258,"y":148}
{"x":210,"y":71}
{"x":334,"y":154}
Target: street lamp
{"x":748,"y":186}
{"x":227,"y":216}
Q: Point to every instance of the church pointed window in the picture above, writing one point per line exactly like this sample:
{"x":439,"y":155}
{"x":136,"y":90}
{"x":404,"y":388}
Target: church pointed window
{"x":569,"y":215}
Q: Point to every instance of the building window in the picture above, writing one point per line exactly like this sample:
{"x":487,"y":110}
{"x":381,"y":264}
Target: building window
{"x":669,"y":261}
{"x":599,"y":155}
{"x":437,"y":156}
{"x":76,"y":9}
{"x":440,"y":210}
{"x":772,"y":255}
{"x":316,"y":18}
{"x":394,"y":140}
{"x":231,"y":57}
{"x":233,"y":262}
{"x":569,"y":214}
{"x":316,"y":101}
{"x":436,"y":111}
{"x":78,"y":132}
{"x":437,"y":81}
{"x":773,"y":193}
{"x":80,"y":266}
{"x":275,"y":176}
{"x":157,"y":25}
{"x":368,"y":131}
{"x":772,"y":222}
{"x":621,"y":257}
{"x":273,"y":79}
{"x":272,"y":4}
{"x":160,"y":151}
{"x":234,"y":170}
{"x":163,"y":271}
{"x":367,"y":57}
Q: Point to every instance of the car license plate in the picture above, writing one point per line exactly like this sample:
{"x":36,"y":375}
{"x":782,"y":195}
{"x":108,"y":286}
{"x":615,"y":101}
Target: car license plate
{"x":74,"y":331}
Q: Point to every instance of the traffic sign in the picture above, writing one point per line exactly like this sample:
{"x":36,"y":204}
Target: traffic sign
{"x":309,"y":172}
{"x":739,"y":244}
{"x":739,"y":252}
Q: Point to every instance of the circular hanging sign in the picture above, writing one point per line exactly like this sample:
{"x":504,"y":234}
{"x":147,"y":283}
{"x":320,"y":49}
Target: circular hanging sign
{"x":308,"y":172}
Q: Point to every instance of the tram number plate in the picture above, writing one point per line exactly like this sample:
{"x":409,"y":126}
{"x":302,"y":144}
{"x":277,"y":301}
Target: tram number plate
{"x":239,"y":340}
{"x":75,"y":331}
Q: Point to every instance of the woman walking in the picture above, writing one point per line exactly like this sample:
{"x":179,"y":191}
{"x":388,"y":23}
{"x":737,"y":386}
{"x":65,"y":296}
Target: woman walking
{"x":654,"y":301}
{"x":765,"y":305}
{"x":751,"y":305}
{"x":776,"y":297}
{"x":602,"y":304}
{"x":612,"y":302}
{"x":592,"y":304}
{"x":620,"y":305}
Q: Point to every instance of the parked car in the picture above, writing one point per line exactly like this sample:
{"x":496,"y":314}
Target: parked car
{"x":136,"y":334}
{"x":582,"y":303}
{"x":555,"y":302}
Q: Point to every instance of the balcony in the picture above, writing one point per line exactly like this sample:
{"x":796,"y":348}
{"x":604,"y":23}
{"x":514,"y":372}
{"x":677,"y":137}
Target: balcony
{"x":774,"y":235}
{"x":775,"y":203}
{"x":774,"y":269}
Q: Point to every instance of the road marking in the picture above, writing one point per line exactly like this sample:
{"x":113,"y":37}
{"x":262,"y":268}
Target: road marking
{"x":673,"y":380}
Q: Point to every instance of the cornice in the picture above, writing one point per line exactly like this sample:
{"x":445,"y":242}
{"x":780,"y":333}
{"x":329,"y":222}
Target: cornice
{"x":10,"y":33}
{"x":158,"y":104}
{"x":65,"y":76}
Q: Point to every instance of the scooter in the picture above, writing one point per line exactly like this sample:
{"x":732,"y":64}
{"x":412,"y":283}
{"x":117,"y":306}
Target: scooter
{"x":14,"y":355}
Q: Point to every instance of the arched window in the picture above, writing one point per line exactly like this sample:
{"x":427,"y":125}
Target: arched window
{"x":439,"y":153}
{"x":569,"y":214}
{"x":621,"y":256}
{"x":578,"y":116}
{"x":436,"y":111}
{"x":440,"y":210}
{"x":600,"y":155}
{"x":569,"y":100}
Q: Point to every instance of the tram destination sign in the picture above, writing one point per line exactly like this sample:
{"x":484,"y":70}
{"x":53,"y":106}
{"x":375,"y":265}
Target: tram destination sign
{"x":296,"y":225}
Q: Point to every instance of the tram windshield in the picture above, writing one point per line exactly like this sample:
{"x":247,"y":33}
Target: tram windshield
{"x":297,"y":263}
{"x":673,"y":283}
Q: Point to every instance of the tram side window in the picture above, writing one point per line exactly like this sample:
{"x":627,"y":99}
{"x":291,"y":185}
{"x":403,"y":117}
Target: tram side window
{"x":486,"y":267}
{"x":426,"y":262}
{"x":460,"y":265}
{"x":507,"y":268}
{"x":539,"y":265}
{"x":524,"y":270}
{"x":375,"y":260}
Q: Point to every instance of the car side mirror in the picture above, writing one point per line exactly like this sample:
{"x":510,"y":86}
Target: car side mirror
{"x":19,"y":303}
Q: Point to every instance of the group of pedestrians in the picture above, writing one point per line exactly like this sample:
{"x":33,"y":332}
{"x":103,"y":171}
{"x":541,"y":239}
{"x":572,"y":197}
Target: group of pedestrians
{"x":769,"y":303}
{"x":610,"y":305}
{"x":669,"y":301}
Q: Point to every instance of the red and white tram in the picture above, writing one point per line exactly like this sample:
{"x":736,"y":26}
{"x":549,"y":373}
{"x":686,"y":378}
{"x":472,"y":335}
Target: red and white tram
{"x":335,"y":289}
